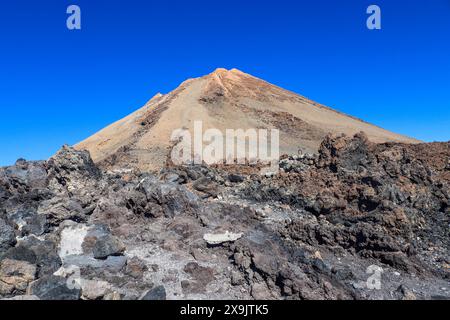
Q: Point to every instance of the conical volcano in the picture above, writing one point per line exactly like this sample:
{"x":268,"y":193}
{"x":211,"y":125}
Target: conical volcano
{"x":224,"y":99}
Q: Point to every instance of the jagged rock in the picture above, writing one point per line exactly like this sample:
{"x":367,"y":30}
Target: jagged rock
{"x":204,"y":275}
{"x":7,"y":236}
{"x":267,"y":264}
{"x":193,"y":172}
{"x":59,"y":209}
{"x":171,"y":175}
{"x":15,"y":276}
{"x":157,"y":293}
{"x":53,"y":288}
{"x":35,"y":224}
{"x":192,"y":287}
{"x":43,"y":254}
{"x":70,"y":161}
{"x":346,"y":153}
{"x":173,"y":199}
{"x":94,"y":289}
{"x":260,"y":291}
{"x":106,"y":246}
{"x":356,"y":202}
{"x":237,"y":278}
{"x":235,"y":178}
{"x":85,"y":241}
{"x":206,"y":186}
{"x":406,"y":294}
{"x":136,"y":268}
{"x":26,"y":175}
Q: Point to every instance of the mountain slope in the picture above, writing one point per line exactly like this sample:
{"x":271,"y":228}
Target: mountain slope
{"x":222,"y":100}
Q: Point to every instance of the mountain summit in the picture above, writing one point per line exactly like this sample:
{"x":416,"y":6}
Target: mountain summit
{"x":224,"y":99}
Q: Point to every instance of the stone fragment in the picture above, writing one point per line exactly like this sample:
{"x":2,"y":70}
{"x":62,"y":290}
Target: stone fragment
{"x":106,"y":246}
{"x":53,"y":288}
{"x":94,"y":289}
{"x":7,"y":236}
{"x":157,"y":293}
{"x":15,"y":276}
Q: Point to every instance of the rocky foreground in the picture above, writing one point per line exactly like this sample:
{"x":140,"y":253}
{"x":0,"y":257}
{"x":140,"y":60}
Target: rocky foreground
{"x":357,"y":221}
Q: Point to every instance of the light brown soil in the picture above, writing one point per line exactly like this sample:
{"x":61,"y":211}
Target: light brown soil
{"x":223,"y":100}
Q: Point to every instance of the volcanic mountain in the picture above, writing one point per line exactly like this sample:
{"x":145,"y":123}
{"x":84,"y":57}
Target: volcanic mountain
{"x":224,"y":99}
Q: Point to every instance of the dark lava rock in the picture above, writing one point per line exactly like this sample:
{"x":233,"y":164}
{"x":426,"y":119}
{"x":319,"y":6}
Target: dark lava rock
{"x":171,"y":199}
{"x":36,"y":225}
{"x":235,"y":178}
{"x":7,"y":236}
{"x":54,"y":288}
{"x":406,"y":293}
{"x":106,"y":246}
{"x":308,"y":233}
{"x":157,"y":293}
{"x":59,"y":209}
{"x":27,"y":175}
{"x":68,"y":160}
{"x":41,"y":253}
{"x":21,"y":253}
{"x":207,"y":186}
{"x":202,"y":274}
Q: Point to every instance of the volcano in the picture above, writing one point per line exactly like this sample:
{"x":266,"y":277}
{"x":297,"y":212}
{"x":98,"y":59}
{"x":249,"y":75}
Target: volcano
{"x":349,"y":219}
{"x":224,"y":99}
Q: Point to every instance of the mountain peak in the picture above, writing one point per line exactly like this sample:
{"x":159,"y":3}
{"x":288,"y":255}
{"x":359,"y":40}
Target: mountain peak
{"x":224,"y":99}
{"x":223,"y":71}
{"x":220,"y":71}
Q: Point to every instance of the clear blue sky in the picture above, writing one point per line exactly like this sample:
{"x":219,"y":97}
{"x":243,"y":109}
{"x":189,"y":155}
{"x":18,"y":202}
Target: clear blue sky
{"x":59,"y":86}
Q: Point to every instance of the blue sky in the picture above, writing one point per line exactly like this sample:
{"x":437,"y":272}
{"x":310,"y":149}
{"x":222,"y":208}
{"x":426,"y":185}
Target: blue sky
{"x":59,"y":86}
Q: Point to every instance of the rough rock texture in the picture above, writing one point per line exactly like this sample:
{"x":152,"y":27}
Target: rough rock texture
{"x":15,"y":276}
{"x":158,"y":293}
{"x":7,"y":236}
{"x":356,"y":221}
{"x":53,"y":288}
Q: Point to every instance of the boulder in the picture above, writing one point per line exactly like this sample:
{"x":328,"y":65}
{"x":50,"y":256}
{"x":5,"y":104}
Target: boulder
{"x":259,"y":291}
{"x":53,"y":288}
{"x":135,"y":268}
{"x":202,"y":274}
{"x":172,"y":198}
{"x":94,"y":289}
{"x":26,"y":175}
{"x":41,"y":253}
{"x":206,"y":186}
{"x":69,"y":161}
{"x":15,"y":276}
{"x":59,"y":209}
{"x":106,"y":246}
{"x":35,"y":224}
{"x":235,"y":178}
{"x":157,"y":293}
{"x":201,"y":277}
{"x":406,"y":293}
{"x":7,"y":236}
